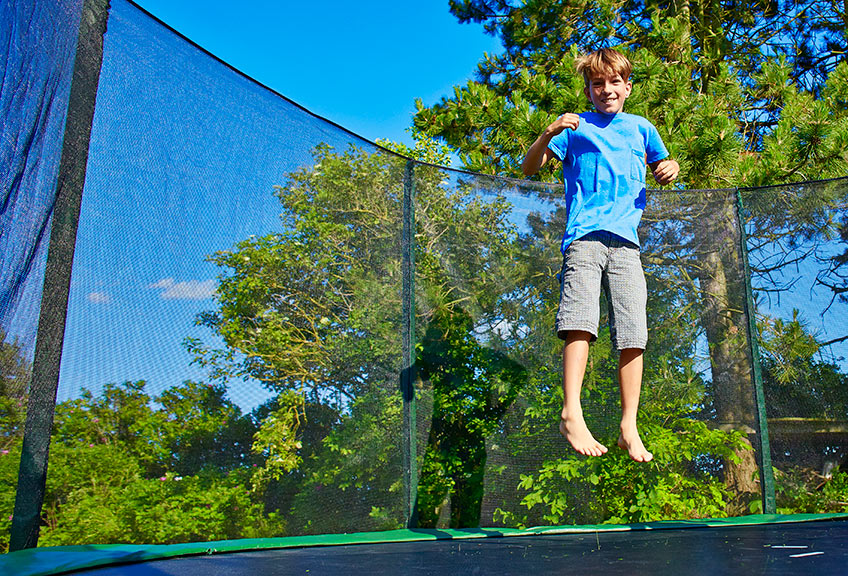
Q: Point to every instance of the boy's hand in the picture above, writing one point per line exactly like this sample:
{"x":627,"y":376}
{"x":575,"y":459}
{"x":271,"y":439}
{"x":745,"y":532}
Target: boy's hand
{"x":665,"y":171}
{"x":567,"y":121}
{"x":539,"y":154}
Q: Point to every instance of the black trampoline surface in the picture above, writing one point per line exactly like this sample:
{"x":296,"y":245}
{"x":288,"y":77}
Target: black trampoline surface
{"x":819,"y":547}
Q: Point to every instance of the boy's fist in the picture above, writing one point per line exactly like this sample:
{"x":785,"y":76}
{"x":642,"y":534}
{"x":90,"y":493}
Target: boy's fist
{"x":665,"y":171}
{"x":567,"y":121}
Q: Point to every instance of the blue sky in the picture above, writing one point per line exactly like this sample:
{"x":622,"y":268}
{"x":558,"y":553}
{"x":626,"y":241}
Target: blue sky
{"x":358,"y":64}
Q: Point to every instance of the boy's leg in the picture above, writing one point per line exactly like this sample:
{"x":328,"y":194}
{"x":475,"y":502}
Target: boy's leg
{"x":630,"y":383}
{"x":575,"y":353}
{"x":627,"y":294}
{"x":577,"y":324}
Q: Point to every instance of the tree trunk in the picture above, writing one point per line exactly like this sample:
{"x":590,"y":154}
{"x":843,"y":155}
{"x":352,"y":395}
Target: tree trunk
{"x":720,"y":274}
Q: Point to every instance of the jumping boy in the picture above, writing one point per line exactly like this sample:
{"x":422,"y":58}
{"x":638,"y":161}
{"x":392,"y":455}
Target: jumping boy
{"x":603,"y":155}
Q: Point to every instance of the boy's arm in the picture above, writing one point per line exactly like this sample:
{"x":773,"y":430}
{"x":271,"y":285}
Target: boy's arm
{"x":665,"y":171}
{"x":539,"y":154}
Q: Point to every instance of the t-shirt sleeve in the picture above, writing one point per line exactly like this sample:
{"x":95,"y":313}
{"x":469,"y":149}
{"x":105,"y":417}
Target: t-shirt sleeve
{"x":559,"y":145}
{"x":655,"y":149}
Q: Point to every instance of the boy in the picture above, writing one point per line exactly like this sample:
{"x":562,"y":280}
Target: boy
{"x":604,"y":154}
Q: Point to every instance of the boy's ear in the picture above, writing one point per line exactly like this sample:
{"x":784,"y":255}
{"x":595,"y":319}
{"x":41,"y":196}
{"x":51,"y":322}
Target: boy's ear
{"x":586,"y":92}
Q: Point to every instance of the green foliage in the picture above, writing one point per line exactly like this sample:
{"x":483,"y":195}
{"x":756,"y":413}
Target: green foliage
{"x":125,"y":467}
{"x":354,"y":477}
{"x":315,"y":309}
{"x":204,"y":430}
{"x":196,"y":427}
{"x":613,"y":489}
{"x":311,"y":308}
{"x":425,"y":149}
{"x":10,"y":457}
{"x":98,"y":495}
{"x":802,"y":491}
{"x":14,"y":382}
{"x":683,"y":481}
{"x":472,"y":388}
{"x":277,"y":438}
{"x":796,"y":383}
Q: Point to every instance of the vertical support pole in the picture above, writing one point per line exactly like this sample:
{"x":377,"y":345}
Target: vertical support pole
{"x":407,"y":376}
{"x":32,"y":474}
{"x":766,"y":470}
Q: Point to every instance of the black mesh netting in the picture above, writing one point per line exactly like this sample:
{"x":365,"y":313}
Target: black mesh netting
{"x":36,"y":83}
{"x":797,"y":243}
{"x":235,"y":335}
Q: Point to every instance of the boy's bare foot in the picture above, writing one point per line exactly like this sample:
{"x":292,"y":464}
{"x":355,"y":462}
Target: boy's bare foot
{"x":630,"y":441}
{"x":578,"y":435}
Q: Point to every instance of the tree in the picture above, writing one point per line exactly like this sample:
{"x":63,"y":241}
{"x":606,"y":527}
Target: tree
{"x":15,"y":372}
{"x":204,"y":430}
{"x":743,"y":93}
{"x":126,"y":467}
{"x":473,"y":386}
{"x":801,"y":388}
{"x":315,"y":309}
{"x":195,"y":428}
{"x":834,"y":273}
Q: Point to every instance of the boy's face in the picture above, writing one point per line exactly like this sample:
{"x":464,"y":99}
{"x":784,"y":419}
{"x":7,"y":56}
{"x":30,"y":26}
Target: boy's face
{"x":608,"y":92}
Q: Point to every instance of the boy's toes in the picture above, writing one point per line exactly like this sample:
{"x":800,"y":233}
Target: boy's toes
{"x":581,"y":439}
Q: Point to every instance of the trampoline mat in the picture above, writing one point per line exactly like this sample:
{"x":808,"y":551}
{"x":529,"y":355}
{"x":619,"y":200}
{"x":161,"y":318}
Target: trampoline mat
{"x":795,"y":548}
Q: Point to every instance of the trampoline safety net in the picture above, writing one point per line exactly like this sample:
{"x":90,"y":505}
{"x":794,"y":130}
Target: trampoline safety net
{"x":275,"y":327}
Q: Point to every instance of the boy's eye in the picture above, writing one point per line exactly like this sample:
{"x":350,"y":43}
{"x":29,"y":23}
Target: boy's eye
{"x":603,"y":81}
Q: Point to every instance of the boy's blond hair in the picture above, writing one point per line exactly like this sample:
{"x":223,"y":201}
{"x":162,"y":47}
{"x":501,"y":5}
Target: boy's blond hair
{"x":602,"y":62}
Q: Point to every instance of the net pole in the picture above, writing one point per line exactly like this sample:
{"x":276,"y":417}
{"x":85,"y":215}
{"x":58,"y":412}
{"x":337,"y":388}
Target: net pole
{"x":766,"y":470}
{"x":407,"y":384}
{"x":32,"y":473}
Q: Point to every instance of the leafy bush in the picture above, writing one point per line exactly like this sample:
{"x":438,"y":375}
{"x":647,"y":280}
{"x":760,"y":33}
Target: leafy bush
{"x":676,"y":484}
{"x":801,"y":490}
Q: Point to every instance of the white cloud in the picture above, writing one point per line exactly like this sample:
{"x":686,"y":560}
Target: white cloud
{"x":191,"y":290}
{"x":98,"y":297}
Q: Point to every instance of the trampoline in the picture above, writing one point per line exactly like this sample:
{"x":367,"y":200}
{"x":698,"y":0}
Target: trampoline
{"x":798,"y":544}
{"x":164,"y":202}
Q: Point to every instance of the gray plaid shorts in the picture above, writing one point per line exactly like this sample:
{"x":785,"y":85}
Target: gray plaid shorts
{"x":602,"y":260}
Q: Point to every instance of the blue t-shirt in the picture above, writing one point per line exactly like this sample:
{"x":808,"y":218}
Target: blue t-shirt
{"x":603,"y":167}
